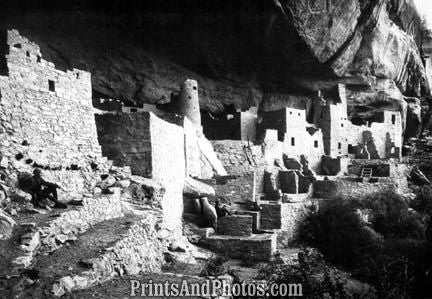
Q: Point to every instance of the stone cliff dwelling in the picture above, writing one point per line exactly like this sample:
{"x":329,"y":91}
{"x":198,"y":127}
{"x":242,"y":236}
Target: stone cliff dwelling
{"x":148,"y":176}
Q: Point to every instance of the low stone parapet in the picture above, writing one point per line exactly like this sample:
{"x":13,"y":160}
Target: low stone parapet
{"x":235,"y":225}
{"x":271,"y":215}
{"x":257,"y":247}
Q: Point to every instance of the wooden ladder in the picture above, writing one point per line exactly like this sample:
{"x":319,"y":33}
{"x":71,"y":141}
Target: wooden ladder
{"x":366,"y":173}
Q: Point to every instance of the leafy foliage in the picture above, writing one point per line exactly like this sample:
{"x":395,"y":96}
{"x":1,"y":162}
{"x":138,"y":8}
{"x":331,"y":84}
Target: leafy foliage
{"x":390,"y":252}
{"x":317,"y":279}
{"x":214,"y":266}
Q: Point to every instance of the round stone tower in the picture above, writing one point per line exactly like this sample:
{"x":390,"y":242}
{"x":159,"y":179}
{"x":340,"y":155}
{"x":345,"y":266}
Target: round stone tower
{"x":189,"y":101}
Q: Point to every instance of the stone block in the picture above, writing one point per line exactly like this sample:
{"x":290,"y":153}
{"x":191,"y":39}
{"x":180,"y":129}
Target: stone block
{"x":235,"y":225}
{"x":259,"y":247}
{"x":271,"y":216}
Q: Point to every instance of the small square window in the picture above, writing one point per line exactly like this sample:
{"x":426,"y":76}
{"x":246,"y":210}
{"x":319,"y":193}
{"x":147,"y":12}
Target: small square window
{"x":194,"y":88}
{"x":316,"y":143}
{"x":51,"y":85}
{"x":292,"y":141}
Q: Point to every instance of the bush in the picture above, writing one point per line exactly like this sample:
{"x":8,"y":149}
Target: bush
{"x":423,"y":200}
{"x":392,"y":253}
{"x":214,"y":267}
{"x":317,"y":279}
{"x":337,"y":231}
{"x":392,"y":217}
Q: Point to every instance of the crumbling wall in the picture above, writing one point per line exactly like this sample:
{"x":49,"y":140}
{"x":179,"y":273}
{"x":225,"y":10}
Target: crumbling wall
{"x":237,"y":189}
{"x":125,"y":139}
{"x":45,"y":113}
{"x":153,"y":148}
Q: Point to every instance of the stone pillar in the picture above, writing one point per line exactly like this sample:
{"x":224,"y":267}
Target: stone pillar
{"x":189,"y":102}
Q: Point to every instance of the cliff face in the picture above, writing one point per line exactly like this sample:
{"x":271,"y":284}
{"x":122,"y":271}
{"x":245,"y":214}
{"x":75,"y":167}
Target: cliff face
{"x":273,"y":52}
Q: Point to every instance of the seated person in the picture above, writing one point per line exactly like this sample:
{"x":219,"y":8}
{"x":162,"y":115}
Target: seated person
{"x":41,"y":189}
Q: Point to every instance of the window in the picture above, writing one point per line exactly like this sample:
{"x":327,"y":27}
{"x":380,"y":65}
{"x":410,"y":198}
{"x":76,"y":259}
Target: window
{"x":134,"y":110}
{"x":77,"y":75}
{"x":290,"y":112}
{"x":322,"y":113}
{"x":51,"y":85}
{"x":38,"y":58}
{"x":18,"y":46}
{"x":342,"y":125}
{"x":393,"y":120}
{"x":28,"y":53}
{"x":299,"y":114}
{"x":292,"y":141}
{"x":350,"y":149}
{"x":339,"y":145}
{"x":316,"y":143}
{"x":194,"y":88}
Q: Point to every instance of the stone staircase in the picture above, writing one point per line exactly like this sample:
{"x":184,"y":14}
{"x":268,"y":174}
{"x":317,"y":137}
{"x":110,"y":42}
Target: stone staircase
{"x":250,"y":233}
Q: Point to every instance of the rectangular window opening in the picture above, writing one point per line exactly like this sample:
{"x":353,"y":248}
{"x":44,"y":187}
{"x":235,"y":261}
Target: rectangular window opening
{"x":393,"y":119}
{"x":339,"y":145}
{"x":38,"y":58}
{"x":51,"y":85}
{"x":292,"y":141}
{"x":27,"y":53}
{"x":316,"y":143}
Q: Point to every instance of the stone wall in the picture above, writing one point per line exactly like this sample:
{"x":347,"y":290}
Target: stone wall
{"x":271,"y":217}
{"x":125,"y":139}
{"x":235,"y":225}
{"x":153,"y":148}
{"x":238,"y":189}
{"x":346,"y":190}
{"x":168,"y":167}
{"x":45,"y":113}
{"x":380,"y":168}
{"x":258,"y":247}
{"x":292,"y":214}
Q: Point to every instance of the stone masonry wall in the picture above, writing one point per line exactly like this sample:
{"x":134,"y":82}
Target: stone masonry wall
{"x":125,"y":139}
{"x":352,"y":190}
{"x":49,"y":109}
{"x":168,"y":168}
{"x":238,"y":189}
{"x":236,"y":225}
{"x":154,"y":148}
